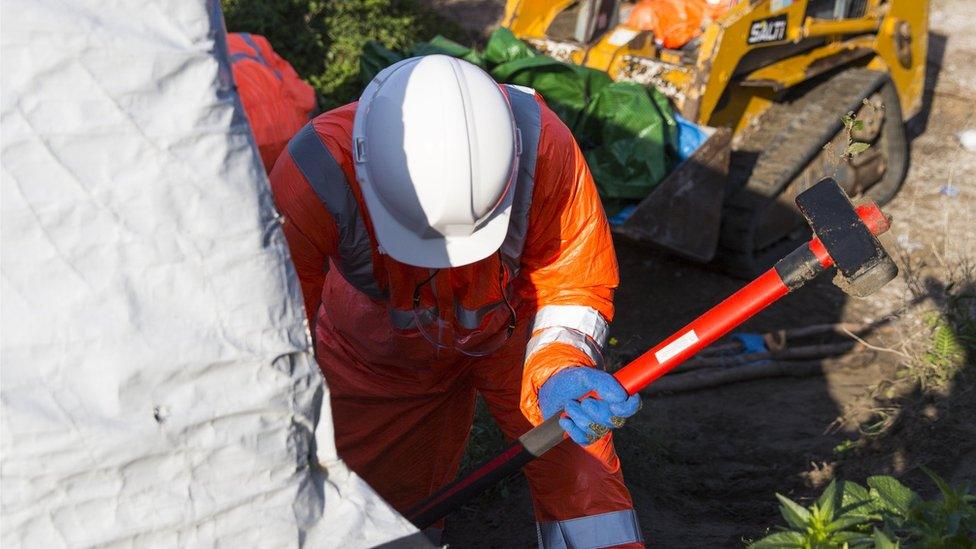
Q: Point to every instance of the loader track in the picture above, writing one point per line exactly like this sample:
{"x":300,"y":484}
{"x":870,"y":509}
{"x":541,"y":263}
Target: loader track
{"x":783,"y":154}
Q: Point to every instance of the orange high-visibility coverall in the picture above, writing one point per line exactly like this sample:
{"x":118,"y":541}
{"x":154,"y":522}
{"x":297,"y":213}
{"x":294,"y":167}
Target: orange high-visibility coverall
{"x":276,"y":101}
{"x":402,"y":410}
{"x":675,"y":22}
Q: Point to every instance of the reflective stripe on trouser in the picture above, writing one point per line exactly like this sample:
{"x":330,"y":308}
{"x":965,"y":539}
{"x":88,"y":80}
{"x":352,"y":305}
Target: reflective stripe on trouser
{"x":402,"y":413}
{"x":603,"y":530}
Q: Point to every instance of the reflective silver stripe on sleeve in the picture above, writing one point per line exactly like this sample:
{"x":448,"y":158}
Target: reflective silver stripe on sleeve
{"x":313,"y":159}
{"x":559,"y":334}
{"x":578,"y":317}
{"x":604,"y":530}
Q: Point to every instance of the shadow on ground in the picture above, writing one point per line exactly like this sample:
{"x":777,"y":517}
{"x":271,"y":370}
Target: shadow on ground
{"x":925,"y":415}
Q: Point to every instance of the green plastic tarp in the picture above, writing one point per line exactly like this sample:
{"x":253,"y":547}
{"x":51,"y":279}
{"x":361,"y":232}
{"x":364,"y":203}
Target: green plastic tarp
{"x":627,"y":132}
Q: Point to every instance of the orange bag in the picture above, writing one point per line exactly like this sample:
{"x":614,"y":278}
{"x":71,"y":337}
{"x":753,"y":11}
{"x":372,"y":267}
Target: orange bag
{"x":675,"y":22}
{"x":276,"y":101}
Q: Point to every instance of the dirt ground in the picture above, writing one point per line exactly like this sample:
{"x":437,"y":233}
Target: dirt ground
{"x":703,"y":466}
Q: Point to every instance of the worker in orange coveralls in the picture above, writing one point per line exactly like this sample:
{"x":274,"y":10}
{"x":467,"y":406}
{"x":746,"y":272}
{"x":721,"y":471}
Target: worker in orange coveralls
{"x":449,"y":240}
{"x":276,"y":101}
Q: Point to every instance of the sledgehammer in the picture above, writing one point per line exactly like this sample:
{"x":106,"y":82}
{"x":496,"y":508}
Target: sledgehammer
{"x":844,"y":236}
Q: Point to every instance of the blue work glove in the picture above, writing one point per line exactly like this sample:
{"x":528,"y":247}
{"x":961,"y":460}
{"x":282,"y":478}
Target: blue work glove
{"x":590,"y":419}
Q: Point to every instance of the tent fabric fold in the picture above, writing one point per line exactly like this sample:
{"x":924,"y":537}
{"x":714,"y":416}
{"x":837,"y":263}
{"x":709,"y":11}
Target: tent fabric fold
{"x":158,"y":385}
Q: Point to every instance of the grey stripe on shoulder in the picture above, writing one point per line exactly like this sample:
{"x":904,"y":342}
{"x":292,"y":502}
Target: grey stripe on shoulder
{"x":327,"y":179}
{"x":528,"y":118}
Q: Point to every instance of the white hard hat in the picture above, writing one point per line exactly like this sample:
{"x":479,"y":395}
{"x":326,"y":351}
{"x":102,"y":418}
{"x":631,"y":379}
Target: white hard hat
{"x":436,"y":152}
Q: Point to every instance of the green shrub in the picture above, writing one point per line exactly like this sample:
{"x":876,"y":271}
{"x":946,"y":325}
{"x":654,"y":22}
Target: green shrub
{"x":323,"y":39}
{"x":886,"y":514}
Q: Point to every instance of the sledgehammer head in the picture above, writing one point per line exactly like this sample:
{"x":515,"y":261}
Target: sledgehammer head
{"x":863,"y":265}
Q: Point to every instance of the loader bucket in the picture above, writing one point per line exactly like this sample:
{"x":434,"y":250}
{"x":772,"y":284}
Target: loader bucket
{"x":683,"y":213}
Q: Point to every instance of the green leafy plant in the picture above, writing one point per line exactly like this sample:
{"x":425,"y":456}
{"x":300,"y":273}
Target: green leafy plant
{"x":887,"y":514}
{"x":845,"y":446}
{"x":946,"y":347}
{"x":851,"y":125}
{"x":323,"y":39}
{"x":947,"y":522}
{"x":952,"y":340}
{"x":829,"y":522}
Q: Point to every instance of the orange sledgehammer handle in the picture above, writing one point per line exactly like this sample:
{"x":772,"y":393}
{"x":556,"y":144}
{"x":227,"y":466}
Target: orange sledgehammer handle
{"x":789,"y":273}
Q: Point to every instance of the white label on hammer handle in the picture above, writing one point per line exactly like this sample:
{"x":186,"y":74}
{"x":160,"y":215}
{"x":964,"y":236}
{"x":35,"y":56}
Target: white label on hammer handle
{"x":670,"y":350}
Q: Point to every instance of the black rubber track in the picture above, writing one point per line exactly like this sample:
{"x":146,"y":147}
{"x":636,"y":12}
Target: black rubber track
{"x":771,"y":159}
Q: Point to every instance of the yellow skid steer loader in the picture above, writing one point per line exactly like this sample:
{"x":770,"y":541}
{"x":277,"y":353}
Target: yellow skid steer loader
{"x":774,"y":82}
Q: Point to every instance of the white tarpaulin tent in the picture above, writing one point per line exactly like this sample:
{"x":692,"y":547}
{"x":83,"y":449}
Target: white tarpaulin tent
{"x":157,"y":381}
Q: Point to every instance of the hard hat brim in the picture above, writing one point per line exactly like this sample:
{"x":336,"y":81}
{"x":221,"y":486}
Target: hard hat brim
{"x":439,"y":251}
